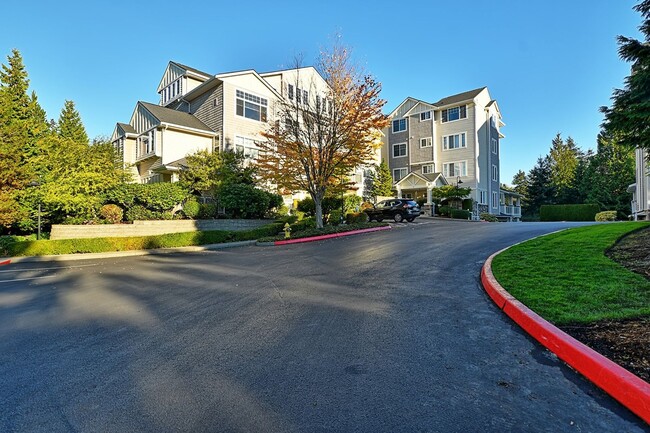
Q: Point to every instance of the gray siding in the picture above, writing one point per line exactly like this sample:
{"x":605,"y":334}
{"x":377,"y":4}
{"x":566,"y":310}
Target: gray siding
{"x":208,"y":108}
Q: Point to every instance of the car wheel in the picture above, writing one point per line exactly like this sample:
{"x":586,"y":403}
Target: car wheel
{"x":398,"y":217}
{"x":379,"y":219}
{"x":410,"y":219}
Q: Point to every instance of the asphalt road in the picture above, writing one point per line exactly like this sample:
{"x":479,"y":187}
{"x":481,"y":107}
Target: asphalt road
{"x":383,"y":332}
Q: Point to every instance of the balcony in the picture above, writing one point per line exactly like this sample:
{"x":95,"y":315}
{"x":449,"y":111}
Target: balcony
{"x":510,"y":210}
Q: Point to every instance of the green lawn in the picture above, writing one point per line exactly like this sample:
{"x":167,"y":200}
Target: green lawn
{"x":566,"y":278}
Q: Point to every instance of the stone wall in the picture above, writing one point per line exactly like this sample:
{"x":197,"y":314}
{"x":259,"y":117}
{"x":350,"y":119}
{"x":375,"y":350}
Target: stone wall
{"x":149,"y":228}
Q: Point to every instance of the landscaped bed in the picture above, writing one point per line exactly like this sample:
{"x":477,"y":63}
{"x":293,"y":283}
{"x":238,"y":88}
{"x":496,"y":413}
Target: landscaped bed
{"x":568,"y":279}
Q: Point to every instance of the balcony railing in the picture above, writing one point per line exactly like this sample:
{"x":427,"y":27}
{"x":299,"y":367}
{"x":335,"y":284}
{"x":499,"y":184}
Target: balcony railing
{"x":510,"y":210}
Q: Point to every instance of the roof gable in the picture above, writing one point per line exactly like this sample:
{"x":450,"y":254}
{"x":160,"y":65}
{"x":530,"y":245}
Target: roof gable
{"x":173,"y":117}
{"x":175,"y":70}
{"x":460,"y":97}
{"x":402,"y":109}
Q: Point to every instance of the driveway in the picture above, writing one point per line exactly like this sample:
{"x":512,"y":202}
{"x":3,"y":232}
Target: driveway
{"x":385,"y":332}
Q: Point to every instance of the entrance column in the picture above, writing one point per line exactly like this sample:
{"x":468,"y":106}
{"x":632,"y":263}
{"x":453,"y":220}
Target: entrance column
{"x":399,"y":191}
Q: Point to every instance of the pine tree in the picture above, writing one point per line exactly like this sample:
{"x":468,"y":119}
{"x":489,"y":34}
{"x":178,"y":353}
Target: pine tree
{"x":382,"y":181}
{"x":520,"y":183}
{"x":629,"y":115}
{"x":70,"y":126}
{"x":540,"y":187}
{"x":564,"y":158}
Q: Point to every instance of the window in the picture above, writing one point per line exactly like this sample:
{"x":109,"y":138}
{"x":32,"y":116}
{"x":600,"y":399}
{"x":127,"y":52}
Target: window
{"x":482,"y":199}
{"x":399,"y":125}
{"x":454,"y":169}
{"x":495,"y":145}
{"x":455,"y":113}
{"x":399,"y":150}
{"x":495,"y":199}
{"x":247,"y":147}
{"x":251,"y":106}
{"x":495,"y":173}
{"x":305,"y":97}
{"x":398,"y":173}
{"x":317,"y":103}
{"x":298,"y":95}
{"x":290,"y":91}
{"x":425,"y":115}
{"x":455,"y":141}
{"x":425,"y":142}
{"x":428,"y":169}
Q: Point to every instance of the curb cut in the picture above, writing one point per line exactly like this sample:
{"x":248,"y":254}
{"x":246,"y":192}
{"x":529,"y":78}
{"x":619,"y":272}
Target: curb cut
{"x":131,"y":253}
{"x":628,"y":389}
{"x":331,"y":236}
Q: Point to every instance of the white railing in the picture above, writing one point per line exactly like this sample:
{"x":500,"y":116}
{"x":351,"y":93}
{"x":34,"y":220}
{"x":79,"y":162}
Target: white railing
{"x":510,"y":210}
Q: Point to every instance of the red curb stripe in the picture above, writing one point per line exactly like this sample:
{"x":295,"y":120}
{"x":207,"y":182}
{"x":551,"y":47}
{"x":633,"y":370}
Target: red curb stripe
{"x":6,"y":262}
{"x":330,"y":236}
{"x":630,"y":390}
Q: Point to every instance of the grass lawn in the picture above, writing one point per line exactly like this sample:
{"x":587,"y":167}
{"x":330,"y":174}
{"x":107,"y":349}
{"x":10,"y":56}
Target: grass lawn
{"x":566,"y":278}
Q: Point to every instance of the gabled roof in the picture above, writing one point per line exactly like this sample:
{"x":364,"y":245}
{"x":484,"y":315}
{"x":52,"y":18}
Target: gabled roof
{"x":428,"y":178}
{"x":190,"y":69}
{"x":127,"y":128}
{"x":460,"y":97}
{"x":406,"y":105}
{"x":253,"y":72}
{"x":173,"y":117}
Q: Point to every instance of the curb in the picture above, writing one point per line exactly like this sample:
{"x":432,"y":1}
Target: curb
{"x":630,"y":390}
{"x":331,"y":236}
{"x":112,"y":254}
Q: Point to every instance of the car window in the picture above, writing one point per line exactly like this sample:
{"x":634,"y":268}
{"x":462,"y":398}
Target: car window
{"x":412,"y":203}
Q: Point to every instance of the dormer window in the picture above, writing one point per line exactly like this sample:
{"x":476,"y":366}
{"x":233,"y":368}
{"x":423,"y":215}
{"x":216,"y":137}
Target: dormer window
{"x":172,"y":91}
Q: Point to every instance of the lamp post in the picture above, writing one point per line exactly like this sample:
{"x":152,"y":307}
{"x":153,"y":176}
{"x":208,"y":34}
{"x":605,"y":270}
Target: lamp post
{"x":38,"y":233}
{"x":458,"y":182}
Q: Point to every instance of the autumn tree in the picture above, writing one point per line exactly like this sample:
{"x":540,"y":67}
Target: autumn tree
{"x":321,"y":135}
{"x":629,"y":115}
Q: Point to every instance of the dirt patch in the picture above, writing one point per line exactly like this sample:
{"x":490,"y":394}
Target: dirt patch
{"x":626,"y":342}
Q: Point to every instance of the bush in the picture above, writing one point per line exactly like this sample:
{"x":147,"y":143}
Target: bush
{"x":305,"y":223}
{"x":608,"y":215}
{"x":299,"y":214}
{"x":328,"y":205}
{"x":191,"y":208}
{"x":160,"y":197}
{"x":334,"y":217}
{"x":485,"y":216}
{"x":207,"y":211}
{"x":421,"y":201}
{"x":568,"y":212}
{"x":306,"y":206}
{"x":112,"y":213}
{"x":444,"y":210}
{"x":460,"y":214}
{"x":352,"y":203}
{"x":246,"y":201}
{"x":139,"y":212}
{"x":468,"y":204}
{"x":356,"y":217}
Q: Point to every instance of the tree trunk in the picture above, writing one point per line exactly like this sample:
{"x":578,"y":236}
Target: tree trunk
{"x":318,"y":204}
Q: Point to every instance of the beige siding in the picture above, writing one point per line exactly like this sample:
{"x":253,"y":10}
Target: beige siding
{"x":190,"y":84}
{"x":237,"y":125}
{"x":467,"y":154}
{"x":177,"y":145}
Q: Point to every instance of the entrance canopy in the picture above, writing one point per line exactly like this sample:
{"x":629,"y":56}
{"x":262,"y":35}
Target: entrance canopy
{"x":420,"y":182}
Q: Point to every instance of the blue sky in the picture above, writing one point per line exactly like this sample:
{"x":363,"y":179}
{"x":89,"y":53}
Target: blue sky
{"x":549,"y":64}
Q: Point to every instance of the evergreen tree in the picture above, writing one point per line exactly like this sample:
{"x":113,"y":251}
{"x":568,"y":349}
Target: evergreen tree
{"x":520,"y":183}
{"x":540,"y":188}
{"x":629,"y":115}
{"x":564,"y":159}
{"x":70,"y":125}
{"x":382,"y":181}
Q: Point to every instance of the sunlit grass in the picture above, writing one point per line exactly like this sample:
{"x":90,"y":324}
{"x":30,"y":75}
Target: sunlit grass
{"x":566,"y":277}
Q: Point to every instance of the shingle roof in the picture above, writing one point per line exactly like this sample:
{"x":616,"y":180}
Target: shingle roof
{"x":431,"y":177}
{"x":189,"y":68}
{"x":127,"y":128}
{"x":470,"y":94}
{"x":174,"y":117}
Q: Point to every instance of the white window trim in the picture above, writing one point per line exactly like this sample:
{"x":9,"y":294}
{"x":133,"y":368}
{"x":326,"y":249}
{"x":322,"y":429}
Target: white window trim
{"x":430,"y":142}
{"x":427,"y":119}
{"x":445,"y":149}
{"x":455,"y":120}
{"x":495,"y":147}
{"x":268,"y":110}
{"x":406,"y":148}
{"x":254,"y":146}
{"x":401,"y":177}
{"x":495,"y":173}
{"x":432,"y":166}
{"x":482,"y":196}
{"x":495,"y":200}
{"x":392,"y":125}
{"x":454,"y":175}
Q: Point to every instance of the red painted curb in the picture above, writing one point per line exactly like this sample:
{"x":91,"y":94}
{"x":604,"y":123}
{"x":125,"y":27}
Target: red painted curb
{"x":6,"y":262}
{"x":630,"y":390}
{"x":330,"y":236}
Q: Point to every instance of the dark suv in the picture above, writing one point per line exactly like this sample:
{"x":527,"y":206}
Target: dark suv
{"x":398,"y":209}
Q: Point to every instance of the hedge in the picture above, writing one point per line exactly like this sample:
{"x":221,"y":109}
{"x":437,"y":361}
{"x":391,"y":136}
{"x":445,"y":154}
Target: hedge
{"x":101,"y":245}
{"x":608,"y":215}
{"x":460,"y":214}
{"x":568,"y":212}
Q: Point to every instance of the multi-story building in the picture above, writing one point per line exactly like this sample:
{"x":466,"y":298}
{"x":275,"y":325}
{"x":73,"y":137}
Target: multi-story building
{"x":223,"y":112}
{"x":455,"y":140}
{"x":641,"y":188}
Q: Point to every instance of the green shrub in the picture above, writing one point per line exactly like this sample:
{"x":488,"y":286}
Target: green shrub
{"x":306,"y":206}
{"x":160,"y":197}
{"x":460,"y":214}
{"x":356,"y":217}
{"x":191,"y":208}
{"x":444,"y":210}
{"x":305,"y":223}
{"x":421,"y":201}
{"x":328,"y":205}
{"x":485,"y":216}
{"x":299,"y":214}
{"x":352,"y":203}
{"x":468,"y":204}
{"x":207,"y":211}
{"x":334,"y":217}
{"x":608,"y":215}
{"x":112,"y":213}
{"x":247,"y":201}
{"x":138,"y":213}
{"x":98,"y":245}
{"x":568,"y":212}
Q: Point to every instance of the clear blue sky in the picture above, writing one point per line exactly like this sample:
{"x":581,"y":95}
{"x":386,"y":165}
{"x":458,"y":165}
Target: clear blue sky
{"x":550,"y":64}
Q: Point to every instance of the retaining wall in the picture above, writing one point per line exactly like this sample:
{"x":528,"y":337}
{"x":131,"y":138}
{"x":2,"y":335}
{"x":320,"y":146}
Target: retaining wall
{"x":150,"y":228}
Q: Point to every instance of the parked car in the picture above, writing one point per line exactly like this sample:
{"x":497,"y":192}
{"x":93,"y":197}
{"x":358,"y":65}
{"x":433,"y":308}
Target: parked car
{"x":398,"y":209}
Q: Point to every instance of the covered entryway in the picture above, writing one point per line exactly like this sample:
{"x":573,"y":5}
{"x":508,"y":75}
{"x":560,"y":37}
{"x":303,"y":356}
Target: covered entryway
{"x":418,"y":185}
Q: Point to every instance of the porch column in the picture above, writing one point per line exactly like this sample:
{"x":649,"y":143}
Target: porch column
{"x":399,"y":191}
{"x":429,"y":195}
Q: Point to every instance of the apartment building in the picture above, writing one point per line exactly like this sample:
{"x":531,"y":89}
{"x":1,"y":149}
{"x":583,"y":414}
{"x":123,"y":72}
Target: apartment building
{"x":456,"y":141}
{"x":641,"y":188}
{"x":223,"y":112}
